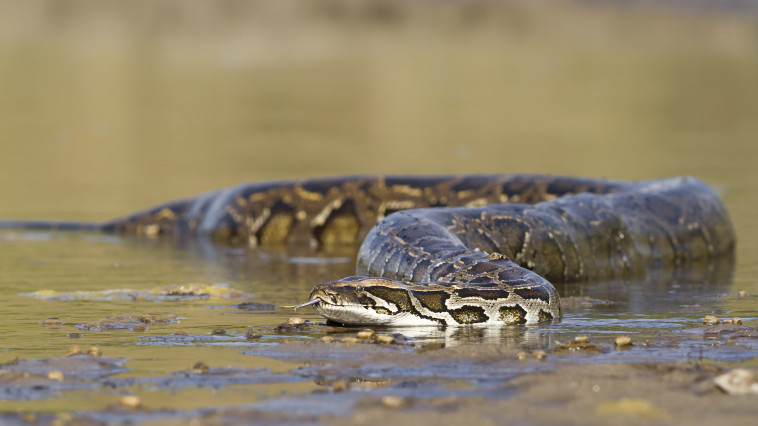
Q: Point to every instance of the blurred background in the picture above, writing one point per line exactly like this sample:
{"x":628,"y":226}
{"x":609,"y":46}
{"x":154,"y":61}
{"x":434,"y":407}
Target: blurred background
{"x":111,"y":106}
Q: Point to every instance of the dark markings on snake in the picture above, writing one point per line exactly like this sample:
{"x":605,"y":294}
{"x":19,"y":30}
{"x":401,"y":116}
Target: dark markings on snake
{"x":512,"y":314}
{"x":432,"y":300}
{"x":382,"y":311}
{"x":545,"y":316}
{"x":469,"y":315}
{"x":484,"y":294}
{"x":398,"y":297}
{"x":533,"y":293}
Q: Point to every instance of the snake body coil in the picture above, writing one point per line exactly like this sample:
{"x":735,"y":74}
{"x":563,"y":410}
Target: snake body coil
{"x":487,"y":258}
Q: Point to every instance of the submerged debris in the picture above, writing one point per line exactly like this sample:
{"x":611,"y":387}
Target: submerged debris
{"x":576,"y":302}
{"x":580,"y":343}
{"x":128,"y":322}
{"x":52,"y":322}
{"x":158,"y":293}
{"x":252,"y":334}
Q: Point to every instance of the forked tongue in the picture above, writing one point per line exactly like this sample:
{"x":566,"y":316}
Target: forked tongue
{"x":310,"y":302}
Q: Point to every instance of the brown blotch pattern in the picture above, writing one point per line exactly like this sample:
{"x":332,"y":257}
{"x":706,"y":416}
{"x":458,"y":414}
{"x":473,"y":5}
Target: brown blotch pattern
{"x":469,"y":315}
{"x":432,"y":300}
{"x":513,"y":315}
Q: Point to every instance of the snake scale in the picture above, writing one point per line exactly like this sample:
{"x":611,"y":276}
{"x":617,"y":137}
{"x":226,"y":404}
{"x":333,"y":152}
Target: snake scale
{"x":487,"y":257}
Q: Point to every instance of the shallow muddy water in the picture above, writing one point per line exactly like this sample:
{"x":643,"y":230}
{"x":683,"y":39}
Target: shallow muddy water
{"x":108,"y":108}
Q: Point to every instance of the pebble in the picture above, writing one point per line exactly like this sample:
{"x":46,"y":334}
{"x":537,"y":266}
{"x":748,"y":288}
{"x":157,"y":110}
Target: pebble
{"x":218,"y":332}
{"x":340,"y":386}
{"x":742,"y":293}
{"x":710,"y":320}
{"x":52,"y":321}
{"x":384,"y":339}
{"x":623,"y":341}
{"x":327,"y":339}
{"x":55,"y":375}
{"x":74,"y":350}
{"x":582,"y":339}
{"x":252,"y":334}
{"x":393,"y":401}
{"x":94,"y":351}
{"x":295,"y":321}
{"x":350,"y":340}
{"x":200,"y":368}
{"x":28,"y":417}
{"x":131,"y":401}
{"x":365,"y":334}
{"x":539,"y":354}
{"x":734,"y":320}
{"x":521,"y":356}
{"x":739,"y":381}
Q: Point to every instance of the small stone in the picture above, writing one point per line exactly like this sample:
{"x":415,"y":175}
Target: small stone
{"x":200,"y":368}
{"x":739,"y":381}
{"x":340,"y":386}
{"x":295,"y":321}
{"x":65,"y":417}
{"x":327,"y":339}
{"x":393,"y":401}
{"x":521,"y":356}
{"x":623,"y":341}
{"x":94,"y":351}
{"x":539,"y":354}
{"x":742,"y":293}
{"x":737,"y":320}
{"x":710,"y":320}
{"x":582,"y":339}
{"x":130,"y":401}
{"x":28,"y":417}
{"x":52,"y":321}
{"x":384,"y":339}
{"x":365,"y":334}
{"x":350,"y":340}
{"x":252,"y":334}
{"x":55,"y":375}
{"x":74,"y":350}
{"x":218,"y":332}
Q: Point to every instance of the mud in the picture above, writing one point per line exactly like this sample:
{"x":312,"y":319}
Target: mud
{"x":365,"y":383}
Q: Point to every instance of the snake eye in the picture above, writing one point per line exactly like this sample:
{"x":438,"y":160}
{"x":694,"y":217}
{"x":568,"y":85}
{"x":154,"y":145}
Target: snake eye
{"x":359,"y":289}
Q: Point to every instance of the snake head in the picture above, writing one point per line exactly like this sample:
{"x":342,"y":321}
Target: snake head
{"x":356,"y":300}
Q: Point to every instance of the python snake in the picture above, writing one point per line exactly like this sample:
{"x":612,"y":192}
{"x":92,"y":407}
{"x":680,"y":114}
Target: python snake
{"x":486,"y":258}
